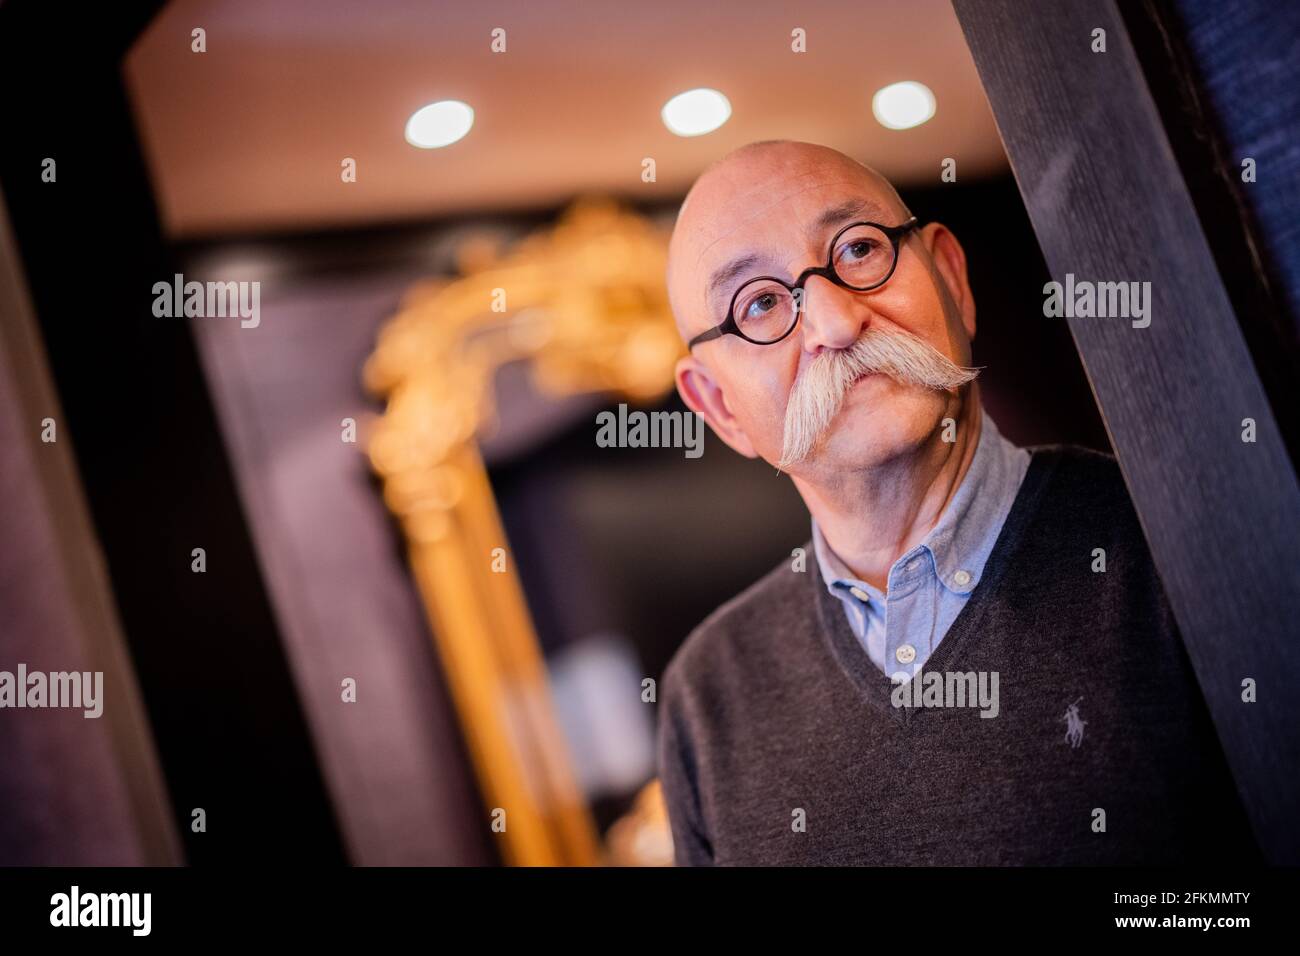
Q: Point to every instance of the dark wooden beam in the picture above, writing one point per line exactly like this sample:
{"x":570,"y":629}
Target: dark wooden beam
{"x":205,"y":648}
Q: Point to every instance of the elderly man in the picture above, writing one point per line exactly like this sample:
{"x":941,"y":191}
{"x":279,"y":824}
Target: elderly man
{"x":972,"y":660}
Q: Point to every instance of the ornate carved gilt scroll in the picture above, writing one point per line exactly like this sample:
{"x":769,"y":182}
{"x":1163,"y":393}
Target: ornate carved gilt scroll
{"x":584,"y":304}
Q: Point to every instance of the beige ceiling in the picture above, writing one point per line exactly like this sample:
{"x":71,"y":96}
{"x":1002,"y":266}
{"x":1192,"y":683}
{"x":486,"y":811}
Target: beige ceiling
{"x":249,"y":136}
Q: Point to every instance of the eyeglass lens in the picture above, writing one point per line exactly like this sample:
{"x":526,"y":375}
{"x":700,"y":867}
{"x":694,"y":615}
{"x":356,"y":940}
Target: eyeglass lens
{"x":766,"y":310}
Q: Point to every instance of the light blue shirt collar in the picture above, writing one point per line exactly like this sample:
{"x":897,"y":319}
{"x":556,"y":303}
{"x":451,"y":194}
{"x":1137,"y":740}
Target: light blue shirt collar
{"x":959,"y":545}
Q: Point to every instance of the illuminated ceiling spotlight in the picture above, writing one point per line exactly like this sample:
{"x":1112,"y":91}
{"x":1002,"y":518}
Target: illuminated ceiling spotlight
{"x":439,"y":124}
{"x":696,"y":112}
{"x":903,"y":105}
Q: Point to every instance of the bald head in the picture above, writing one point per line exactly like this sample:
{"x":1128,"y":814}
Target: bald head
{"x":738,"y":190}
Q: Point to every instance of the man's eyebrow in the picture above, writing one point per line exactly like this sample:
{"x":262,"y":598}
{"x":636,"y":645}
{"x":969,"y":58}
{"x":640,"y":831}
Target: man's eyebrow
{"x":835,"y":215}
{"x":727,"y":273}
{"x":831,"y":216}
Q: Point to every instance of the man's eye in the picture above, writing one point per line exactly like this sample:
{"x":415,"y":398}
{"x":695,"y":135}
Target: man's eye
{"x":760,"y":305}
{"x":859,"y":249}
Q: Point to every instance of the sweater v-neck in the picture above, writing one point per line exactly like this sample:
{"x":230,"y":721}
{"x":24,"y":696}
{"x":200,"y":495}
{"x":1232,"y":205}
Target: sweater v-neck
{"x":874,"y":687}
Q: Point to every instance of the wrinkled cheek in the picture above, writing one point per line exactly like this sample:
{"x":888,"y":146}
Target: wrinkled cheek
{"x":763,"y":421}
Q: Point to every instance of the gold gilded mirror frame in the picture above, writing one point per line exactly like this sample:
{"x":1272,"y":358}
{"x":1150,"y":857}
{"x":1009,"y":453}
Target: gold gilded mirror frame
{"x":584,"y":303}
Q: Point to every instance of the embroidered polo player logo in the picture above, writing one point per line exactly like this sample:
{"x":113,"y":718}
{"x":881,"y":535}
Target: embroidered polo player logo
{"x":1073,"y":725}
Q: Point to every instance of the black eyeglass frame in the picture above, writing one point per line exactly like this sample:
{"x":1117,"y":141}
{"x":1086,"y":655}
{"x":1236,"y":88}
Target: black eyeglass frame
{"x":729,"y":326}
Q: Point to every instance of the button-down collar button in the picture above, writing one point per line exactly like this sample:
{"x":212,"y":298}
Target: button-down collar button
{"x":961,"y":578}
{"x":860,"y":594}
{"x":913,"y":564}
{"x":905,"y":654}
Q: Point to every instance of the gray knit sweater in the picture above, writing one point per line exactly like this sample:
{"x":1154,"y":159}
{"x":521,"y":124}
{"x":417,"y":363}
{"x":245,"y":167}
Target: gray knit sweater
{"x":780,"y":742}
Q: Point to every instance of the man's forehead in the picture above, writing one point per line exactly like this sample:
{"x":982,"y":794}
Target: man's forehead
{"x":729,"y":217}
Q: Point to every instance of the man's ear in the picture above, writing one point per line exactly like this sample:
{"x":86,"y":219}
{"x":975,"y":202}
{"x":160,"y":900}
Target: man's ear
{"x":950,"y":260}
{"x":703,"y":395}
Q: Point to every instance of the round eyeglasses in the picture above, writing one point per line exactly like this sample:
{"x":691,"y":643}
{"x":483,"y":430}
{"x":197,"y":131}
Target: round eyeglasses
{"x":766,"y":309}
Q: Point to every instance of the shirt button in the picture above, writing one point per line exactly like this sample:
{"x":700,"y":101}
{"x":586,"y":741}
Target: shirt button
{"x":961,"y":578}
{"x":860,"y":594}
{"x":905,"y":654}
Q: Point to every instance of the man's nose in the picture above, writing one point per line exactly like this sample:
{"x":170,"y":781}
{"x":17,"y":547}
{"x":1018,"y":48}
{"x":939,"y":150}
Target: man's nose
{"x":832,"y":317}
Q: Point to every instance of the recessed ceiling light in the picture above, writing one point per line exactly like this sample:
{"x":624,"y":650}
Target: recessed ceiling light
{"x":696,"y":112}
{"x":903,"y":105}
{"x":439,"y":124}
